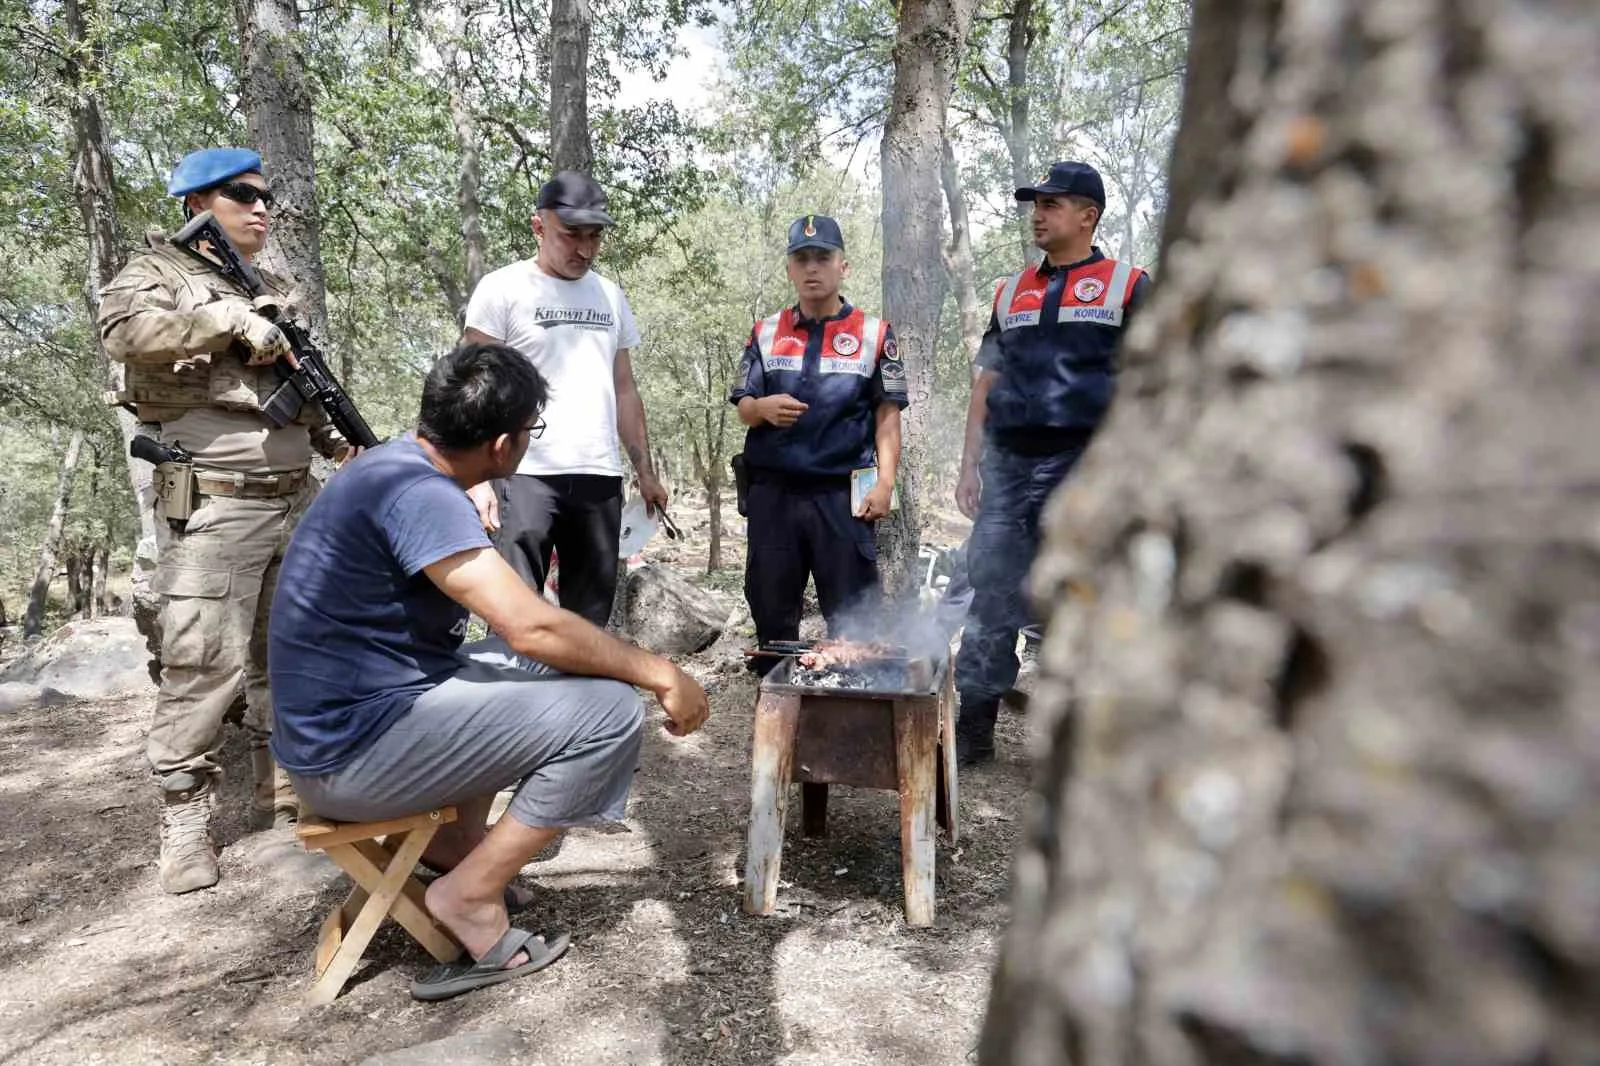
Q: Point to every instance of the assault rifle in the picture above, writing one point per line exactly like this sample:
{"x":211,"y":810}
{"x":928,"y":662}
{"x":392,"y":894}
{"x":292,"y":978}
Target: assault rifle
{"x":304,"y":371}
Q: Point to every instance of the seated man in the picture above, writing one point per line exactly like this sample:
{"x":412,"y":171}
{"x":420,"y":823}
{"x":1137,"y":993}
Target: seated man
{"x":379,"y":711}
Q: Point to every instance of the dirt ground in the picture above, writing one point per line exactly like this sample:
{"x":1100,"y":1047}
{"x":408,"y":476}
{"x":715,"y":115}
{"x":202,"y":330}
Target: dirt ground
{"x":98,"y":965}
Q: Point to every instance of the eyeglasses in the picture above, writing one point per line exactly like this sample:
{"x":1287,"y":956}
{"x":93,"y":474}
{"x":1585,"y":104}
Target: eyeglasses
{"x":242,"y":192}
{"x":536,"y":430}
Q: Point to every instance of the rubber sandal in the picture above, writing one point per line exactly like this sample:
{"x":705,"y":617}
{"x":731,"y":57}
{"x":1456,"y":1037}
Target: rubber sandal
{"x":452,"y":979}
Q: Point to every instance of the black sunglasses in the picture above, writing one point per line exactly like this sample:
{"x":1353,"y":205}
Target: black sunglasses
{"x":242,"y":192}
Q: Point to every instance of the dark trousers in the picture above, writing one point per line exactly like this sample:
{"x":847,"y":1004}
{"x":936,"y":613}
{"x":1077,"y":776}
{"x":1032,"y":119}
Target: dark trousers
{"x":801,"y":531}
{"x":580,"y":516}
{"x":1004,"y":541}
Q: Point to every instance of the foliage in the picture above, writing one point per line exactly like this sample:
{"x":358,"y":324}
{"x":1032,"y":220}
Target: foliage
{"x":702,"y":199}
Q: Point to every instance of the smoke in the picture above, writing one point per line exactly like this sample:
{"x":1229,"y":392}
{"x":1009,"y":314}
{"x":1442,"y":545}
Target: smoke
{"x":924,"y":626}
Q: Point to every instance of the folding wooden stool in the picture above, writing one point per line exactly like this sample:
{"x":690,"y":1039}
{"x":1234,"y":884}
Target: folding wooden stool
{"x":385,"y":887}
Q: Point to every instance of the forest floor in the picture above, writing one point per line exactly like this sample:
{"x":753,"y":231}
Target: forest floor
{"x":98,"y":965}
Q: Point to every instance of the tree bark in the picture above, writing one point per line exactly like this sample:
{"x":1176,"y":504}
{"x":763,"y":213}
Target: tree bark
{"x":958,"y":257}
{"x":714,"y":502}
{"x":94,"y":188}
{"x":33,"y":622}
{"x":469,"y":186}
{"x":569,"y":86}
{"x":277,"y":101}
{"x":1019,"y":128}
{"x":1321,"y":783}
{"x":76,"y":586}
{"x":929,"y":42}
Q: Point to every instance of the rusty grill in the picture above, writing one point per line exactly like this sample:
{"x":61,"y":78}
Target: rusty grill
{"x":870,"y":715}
{"x":867,"y":670}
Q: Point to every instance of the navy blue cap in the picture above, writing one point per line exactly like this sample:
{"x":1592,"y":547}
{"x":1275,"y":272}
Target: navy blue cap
{"x":211,"y":166}
{"x":1068,"y":179}
{"x":815,"y":231}
{"x":577,"y":199}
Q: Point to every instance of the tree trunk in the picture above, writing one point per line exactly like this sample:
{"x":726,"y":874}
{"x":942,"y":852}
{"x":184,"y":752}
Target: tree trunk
{"x":1322,"y":784}
{"x":714,"y":502}
{"x":569,"y":86}
{"x":77,"y":587}
{"x":277,"y":101}
{"x":958,"y":257}
{"x":33,"y":622}
{"x":1019,"y":45}
{"x":100,"y":568}
{"x":931,"y":37}
{"x":708,"y":471}
{"x":457,"y":62}
{"x":94,"y":189}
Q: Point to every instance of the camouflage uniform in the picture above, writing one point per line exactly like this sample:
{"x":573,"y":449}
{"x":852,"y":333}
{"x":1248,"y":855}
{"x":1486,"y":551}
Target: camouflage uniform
{"x":175,"y":322}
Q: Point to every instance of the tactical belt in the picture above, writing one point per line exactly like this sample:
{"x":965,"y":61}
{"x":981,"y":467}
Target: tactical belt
{"x":248,"y":486}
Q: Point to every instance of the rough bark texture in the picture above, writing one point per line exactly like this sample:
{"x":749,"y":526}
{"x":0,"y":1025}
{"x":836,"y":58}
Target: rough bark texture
{"x":930,"y":39}
{"x":277,"y":103}
{"x":95,"y":191}
{"x":970,"y":310}
{"x":1320,"y":772}
{"x":569,"y":86}
{"x":33,"y":622}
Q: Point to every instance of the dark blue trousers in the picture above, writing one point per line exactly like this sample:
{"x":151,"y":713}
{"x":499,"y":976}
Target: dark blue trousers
{"x":1005,"y":539}
{"x":798,"y":531}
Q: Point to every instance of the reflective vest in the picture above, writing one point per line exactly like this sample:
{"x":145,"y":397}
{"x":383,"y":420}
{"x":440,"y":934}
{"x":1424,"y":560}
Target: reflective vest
{"x":1058,"y":333}
{"x":837,"y":374}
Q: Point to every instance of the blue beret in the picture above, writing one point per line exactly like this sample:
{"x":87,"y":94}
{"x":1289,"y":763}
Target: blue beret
{"x":210,"y":166}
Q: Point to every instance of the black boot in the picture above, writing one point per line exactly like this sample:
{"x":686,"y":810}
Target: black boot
{"x":975,"y":732}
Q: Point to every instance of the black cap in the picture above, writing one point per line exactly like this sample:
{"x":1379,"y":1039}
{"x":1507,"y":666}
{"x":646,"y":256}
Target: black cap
{"x":1068,"y":179}
{"x":577,"y":199}
{"x":814,"y":231}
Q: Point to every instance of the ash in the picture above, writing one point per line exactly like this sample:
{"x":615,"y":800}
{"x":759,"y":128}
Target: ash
{"x":826,"y":679}
{"x":869,"y":676}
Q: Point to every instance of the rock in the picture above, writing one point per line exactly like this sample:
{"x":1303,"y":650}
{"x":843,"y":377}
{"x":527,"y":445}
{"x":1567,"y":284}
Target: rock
{"x":668,"y":615}
{"x":88,"y":660}
{"x":16,"y":696}
{"x":487,"y":1047}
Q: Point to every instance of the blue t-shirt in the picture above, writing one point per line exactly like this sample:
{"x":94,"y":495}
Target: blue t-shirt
{"x":357,"y":630}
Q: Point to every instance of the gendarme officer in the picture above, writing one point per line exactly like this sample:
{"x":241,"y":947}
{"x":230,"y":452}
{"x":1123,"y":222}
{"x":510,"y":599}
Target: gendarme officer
{"x":1047,"y":374}
{"x":821,"y":387}
{"x":199,"y":366}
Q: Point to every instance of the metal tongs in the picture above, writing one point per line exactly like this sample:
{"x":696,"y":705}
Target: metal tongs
{"x":668,"y":526}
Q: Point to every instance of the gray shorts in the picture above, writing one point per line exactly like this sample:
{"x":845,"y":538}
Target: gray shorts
{"x":568,"y":744}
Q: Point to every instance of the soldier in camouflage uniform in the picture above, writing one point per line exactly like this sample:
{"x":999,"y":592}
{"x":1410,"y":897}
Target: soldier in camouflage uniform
{"x":199,"y":364}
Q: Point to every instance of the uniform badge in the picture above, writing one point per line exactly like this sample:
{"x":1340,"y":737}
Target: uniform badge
{"x":845,"y":344}
{"x":1088,"y":290}
{"x":811,"y":226}
{"x":891,"y":350}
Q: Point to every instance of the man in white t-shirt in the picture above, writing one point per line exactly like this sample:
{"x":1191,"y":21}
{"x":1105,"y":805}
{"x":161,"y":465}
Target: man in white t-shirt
{"x":578,"y":331}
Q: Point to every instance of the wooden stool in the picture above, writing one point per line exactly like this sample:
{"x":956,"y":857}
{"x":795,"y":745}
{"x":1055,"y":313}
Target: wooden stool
{"x":385,"y":888}
{"x":905,"y":742}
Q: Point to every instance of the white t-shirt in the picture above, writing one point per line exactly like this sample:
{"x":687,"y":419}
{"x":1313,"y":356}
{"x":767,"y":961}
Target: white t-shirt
{"x":572,"y":331}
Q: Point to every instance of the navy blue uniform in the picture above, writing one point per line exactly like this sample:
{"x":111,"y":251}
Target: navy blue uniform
{"x":1051,"y":339}
{"x":800,"y":521}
